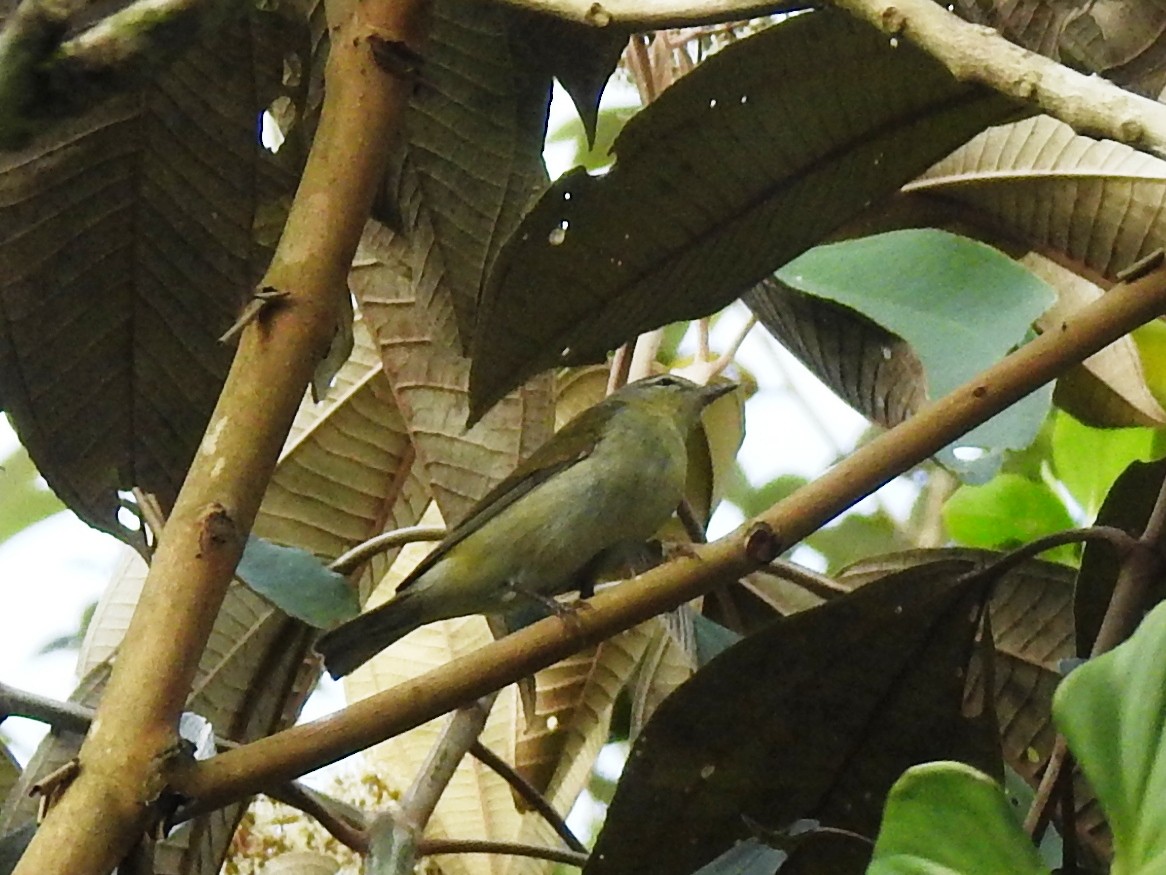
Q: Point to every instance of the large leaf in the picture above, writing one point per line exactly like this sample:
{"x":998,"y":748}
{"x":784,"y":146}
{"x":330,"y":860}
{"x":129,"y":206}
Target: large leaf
{"x":126,"y":248}
{"x":779,"y":728}
{"x":722,"y":179}
{"x":949,"y":819}
{"x":429,"y":381}
{"x":1092,"y":206}
{"x":961,"y":305}
{"x":1031,"y":609}
{"x":870,"y":368}
{"x":473,"y":162}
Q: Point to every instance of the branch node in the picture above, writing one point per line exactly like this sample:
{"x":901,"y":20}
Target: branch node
{"x":263,"y":301}
{"x":597,"y":16}
{"x":1132,"y":130}
{"x":218,"y":529}
{"x":51,"y":786}
{"x":396,"y":58}
{"x":892,"y":20}
{"x":762,"y":544}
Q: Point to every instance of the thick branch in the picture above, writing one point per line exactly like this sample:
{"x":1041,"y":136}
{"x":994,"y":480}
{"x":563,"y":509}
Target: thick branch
{"x":975,"y":53}
{"x":290,"y":753}
{"x":124,"y":759}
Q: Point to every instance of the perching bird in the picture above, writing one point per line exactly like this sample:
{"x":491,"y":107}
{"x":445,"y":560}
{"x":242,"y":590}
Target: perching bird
{"x":603,"y":483}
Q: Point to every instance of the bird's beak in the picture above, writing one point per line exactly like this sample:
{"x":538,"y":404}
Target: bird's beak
{"x":713,"y":391}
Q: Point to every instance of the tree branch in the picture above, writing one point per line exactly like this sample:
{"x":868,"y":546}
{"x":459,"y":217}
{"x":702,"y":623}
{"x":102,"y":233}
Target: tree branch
{"x":434,"y":847}
{"x":348,"y":562}
{"x":302,"y":748}
{"x":974,"y":53}
{"x":132,"y":742}
{"x":527,"y":791}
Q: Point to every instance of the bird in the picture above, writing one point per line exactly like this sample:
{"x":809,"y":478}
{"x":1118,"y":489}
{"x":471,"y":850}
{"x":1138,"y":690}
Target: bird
{"x":599,"y":487}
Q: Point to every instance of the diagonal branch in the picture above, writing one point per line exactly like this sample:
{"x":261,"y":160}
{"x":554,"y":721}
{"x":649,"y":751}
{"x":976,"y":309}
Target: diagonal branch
{"x":295,"y":751}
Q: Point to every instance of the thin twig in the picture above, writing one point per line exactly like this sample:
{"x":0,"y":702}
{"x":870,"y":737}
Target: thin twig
{"x":343,"y":822}
{"x":730,"y":352}
{"x":528,"y":792}
{"x":435,"y":847}
{"x":348,"y":562}
{"x":646,"y":352}
{"x":819,"y":584}
{"x":621,"y":366}
{"x":67,"y":716}
{"x":1000,"y":566}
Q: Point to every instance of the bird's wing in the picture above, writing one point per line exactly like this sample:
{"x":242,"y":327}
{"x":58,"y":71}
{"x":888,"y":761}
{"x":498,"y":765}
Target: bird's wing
{"x":571,"y":445}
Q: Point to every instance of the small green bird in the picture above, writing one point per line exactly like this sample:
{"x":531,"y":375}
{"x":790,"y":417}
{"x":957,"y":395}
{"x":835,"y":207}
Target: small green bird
{"x":603,"y":483}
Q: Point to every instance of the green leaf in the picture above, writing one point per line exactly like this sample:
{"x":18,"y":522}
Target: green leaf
{"x":297,"y":583}
{"x":1112,"y":711}
{"x":960,"y":304}
{"x":1006,"y":512}
{"x":23,"y":501}
{"x":950,"y":819}
{"x":855,"y":537}
{"x":753,"y":500}
{"x":1089,"y":460}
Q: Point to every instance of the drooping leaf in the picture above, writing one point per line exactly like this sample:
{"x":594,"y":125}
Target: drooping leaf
{"x":429,"y":381}
{"x":872,"y":369}
{"x":126,"y":249}
{"x":582,"y":57}
{"x":959,"y":304}
{"x":473,"y":163}
{"x":347,"y":470}
{"x":809,"y":736}
{"x":717,"y":183}
{"x":297,"y":583}
{"x":950,"y":819}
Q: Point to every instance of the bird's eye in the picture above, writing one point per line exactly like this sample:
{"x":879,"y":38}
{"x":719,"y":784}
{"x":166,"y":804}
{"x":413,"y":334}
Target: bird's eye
{"x":667,"y":380}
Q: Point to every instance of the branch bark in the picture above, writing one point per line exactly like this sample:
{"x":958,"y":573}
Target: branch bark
{"x":124,"y":759}
{"x":303,"y":748}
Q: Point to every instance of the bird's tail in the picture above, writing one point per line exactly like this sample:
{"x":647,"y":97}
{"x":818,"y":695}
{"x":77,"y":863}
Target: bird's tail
{"x":351,"y":645}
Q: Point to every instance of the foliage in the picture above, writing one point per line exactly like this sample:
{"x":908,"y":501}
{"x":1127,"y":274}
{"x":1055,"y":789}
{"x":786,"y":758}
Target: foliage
{"x":897,"y":229}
